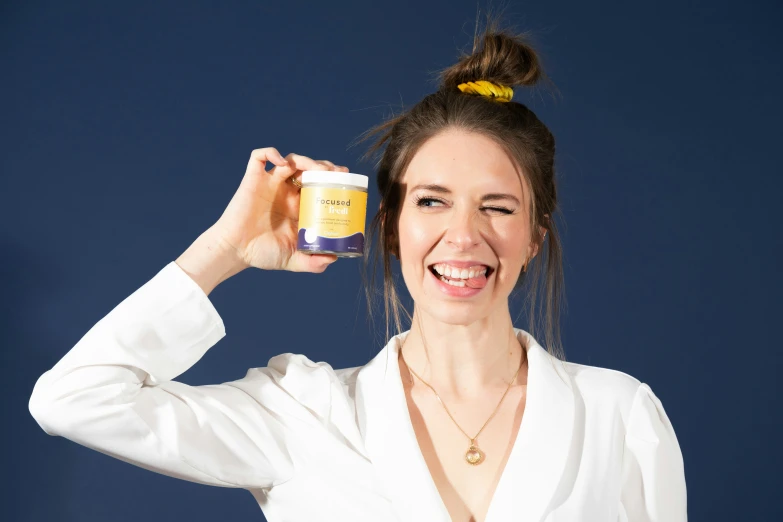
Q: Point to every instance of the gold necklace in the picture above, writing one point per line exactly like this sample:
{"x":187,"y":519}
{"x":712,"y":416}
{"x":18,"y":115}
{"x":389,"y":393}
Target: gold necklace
{"x":474,"y":455}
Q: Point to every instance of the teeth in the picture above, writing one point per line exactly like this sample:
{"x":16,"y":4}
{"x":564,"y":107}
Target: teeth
{"x":458,"y":273}
{"x":452,"y":282}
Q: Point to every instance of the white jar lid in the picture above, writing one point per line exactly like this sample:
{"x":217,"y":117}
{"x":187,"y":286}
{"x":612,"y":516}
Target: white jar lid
{"x":340,"y":178}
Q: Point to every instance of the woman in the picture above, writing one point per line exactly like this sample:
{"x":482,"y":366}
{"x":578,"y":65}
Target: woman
{"x":463,"y":417}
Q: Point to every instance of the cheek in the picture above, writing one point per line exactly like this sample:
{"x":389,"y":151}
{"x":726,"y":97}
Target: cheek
{"x":510,"y":242}
{"x":414,"y":236}
{"x":410,"y":241}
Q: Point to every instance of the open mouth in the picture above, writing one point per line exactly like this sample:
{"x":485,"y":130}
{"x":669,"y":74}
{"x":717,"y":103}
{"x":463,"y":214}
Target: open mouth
{"x":473,"y":277}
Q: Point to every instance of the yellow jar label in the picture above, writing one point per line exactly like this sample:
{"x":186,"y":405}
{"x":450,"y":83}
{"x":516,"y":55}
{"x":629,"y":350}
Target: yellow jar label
{"x":331,"y":219}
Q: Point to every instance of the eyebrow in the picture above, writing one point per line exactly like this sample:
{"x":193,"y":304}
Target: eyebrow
{"x":494,"y":196}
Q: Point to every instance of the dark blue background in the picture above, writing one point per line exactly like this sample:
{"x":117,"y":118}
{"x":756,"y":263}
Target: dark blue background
{"x":126,"y":128}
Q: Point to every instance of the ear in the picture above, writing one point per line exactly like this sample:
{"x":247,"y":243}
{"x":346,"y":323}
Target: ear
{"x":532,"y":250}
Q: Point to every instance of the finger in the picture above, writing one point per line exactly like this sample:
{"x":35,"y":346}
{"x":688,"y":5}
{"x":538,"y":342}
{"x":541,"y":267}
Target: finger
{"x":299,"y":162}
{"x":296,"y":180}
{"x":315,"y":263}
{"x":267,"y":154}
{"x":332,"y":166}
{"x":297,"y":174}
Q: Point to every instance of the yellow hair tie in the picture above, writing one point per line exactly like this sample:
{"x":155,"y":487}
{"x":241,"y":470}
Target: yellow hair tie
{"x":491,"y":90}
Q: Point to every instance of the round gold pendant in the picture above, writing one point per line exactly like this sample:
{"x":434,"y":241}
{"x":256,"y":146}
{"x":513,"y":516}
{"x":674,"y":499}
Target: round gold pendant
{"x":474,"y":455}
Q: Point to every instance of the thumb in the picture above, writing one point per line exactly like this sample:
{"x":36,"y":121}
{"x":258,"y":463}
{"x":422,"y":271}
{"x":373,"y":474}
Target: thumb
{"x":316,"y":263}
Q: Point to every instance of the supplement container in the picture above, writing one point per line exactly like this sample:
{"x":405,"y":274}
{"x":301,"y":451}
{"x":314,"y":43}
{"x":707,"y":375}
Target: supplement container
{"x":332,"y":211}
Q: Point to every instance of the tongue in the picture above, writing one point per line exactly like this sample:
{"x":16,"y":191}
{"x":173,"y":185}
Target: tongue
{"x":480,"y":281}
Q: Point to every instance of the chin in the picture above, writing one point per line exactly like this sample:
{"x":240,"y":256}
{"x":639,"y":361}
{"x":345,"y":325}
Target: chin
{"x":455,"y":313}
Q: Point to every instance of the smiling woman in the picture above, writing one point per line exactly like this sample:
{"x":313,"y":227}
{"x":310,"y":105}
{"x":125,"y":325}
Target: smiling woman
{"x":465,"y":143}
{"x":463,"y":417}
{"x":468,"y":197}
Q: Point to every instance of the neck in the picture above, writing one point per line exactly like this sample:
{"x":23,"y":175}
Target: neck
{"x":462,"y":361}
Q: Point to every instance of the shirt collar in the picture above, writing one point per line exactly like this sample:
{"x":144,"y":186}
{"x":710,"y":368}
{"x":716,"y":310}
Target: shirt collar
{"x":529,"y":483}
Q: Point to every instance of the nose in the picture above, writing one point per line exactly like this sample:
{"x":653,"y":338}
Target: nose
{"x":463,"y":229}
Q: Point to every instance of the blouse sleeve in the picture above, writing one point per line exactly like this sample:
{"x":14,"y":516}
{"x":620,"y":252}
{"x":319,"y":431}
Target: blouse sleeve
{"x":653,"y":486}
{"x":114,"y":392}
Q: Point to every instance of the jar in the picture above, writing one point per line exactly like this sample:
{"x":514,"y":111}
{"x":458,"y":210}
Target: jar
{"x":332,"y":212}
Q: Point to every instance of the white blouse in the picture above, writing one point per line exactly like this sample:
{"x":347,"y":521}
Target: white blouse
{"x":315,"y":443}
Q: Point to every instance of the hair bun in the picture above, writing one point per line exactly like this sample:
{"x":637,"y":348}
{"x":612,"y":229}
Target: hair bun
{"x":498,"y":57}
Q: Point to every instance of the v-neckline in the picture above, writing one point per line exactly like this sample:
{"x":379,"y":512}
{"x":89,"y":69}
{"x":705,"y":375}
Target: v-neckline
{"x":420,"y":454}
{"x":532,"y":472}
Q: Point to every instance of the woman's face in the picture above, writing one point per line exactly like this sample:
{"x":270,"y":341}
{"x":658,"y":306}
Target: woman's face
{"x":464,"y":233}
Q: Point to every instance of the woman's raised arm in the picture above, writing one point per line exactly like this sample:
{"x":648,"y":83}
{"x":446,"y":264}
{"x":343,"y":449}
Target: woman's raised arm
{"x":114,"y":390}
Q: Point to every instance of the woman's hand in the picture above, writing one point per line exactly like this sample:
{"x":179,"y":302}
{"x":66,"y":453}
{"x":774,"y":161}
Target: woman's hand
{"x":260,"y":224}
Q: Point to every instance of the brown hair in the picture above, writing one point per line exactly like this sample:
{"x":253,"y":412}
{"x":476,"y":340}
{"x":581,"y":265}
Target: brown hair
{"x":502,"y":58}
